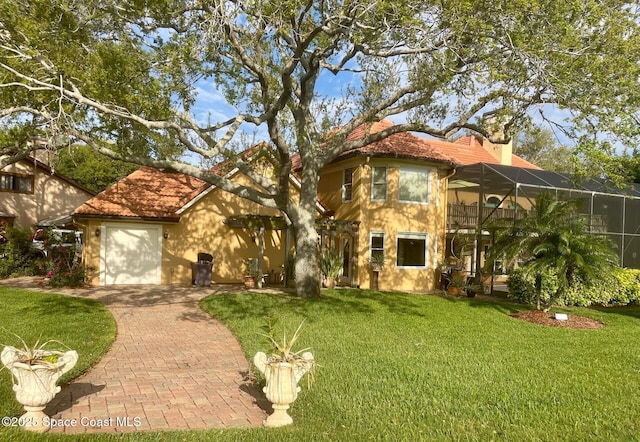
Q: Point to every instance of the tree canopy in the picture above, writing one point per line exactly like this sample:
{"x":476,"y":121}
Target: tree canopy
{"x":126,"y":77}
{"x":539,"y":146}
{"x":90,"y":169}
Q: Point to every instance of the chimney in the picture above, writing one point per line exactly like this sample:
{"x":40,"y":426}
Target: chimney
{"x":501,"y":152}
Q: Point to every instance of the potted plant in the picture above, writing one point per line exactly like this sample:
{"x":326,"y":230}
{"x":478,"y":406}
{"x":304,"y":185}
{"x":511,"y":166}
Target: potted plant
{"x":376,"y":263}
{"x":474,"y":286}
{"x":290,"y":270}
{"x":282,"y":368}
{"x":457,"y":285}
{"x":35,"y":372}
{"x":330,"y":266}
{"x":252,"y":273}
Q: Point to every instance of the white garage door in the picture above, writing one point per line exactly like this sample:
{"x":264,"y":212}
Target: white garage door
{"x":130,"y":254}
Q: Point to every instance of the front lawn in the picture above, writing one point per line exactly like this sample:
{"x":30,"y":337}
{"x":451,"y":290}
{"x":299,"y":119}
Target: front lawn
{"x":411,"y":367}
{"x":83,"y":325}
{"x":399,"y":367}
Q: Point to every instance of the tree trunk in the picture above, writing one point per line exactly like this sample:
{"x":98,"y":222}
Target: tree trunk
{"x":260,"y":255}
{"x":538,"y":285}
{"x":307,"y":268}
{"x":306,"y":236}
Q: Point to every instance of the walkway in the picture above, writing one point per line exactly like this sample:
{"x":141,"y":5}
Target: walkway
{"x":171,"y":366}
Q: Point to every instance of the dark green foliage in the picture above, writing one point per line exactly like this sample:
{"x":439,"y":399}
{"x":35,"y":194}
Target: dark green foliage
{"x":622,"y":289}
{"x":17,"y":255}
{"x":90,"y":169}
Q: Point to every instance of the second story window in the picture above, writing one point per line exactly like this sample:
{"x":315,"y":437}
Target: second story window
{"x":347,"y":185}
{"x":413,"y":185}
{"x":379,"y":184}
{"x":16,"y":183}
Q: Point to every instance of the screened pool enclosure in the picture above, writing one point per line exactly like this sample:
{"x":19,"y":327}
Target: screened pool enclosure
{"x":482,"y":192}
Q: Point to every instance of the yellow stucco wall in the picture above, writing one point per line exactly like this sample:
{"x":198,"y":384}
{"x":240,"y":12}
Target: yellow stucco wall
{"x":391,"y":217}
{"x":201,"y":229}
{"x":51,"y":197}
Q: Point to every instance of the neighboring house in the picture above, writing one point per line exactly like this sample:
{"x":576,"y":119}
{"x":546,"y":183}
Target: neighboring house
{"x":33,"y":195}
{"x":150,"y":227}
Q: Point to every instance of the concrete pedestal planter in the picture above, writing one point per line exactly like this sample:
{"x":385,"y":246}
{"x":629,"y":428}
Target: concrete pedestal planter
{"x":281,"y":387}
{"x":35,"y":378}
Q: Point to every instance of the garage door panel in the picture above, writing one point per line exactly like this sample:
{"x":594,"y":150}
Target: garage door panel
{"x":132,"y":254}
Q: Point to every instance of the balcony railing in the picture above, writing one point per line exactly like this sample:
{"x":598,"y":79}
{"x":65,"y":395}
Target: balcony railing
{"x":464,"y":216}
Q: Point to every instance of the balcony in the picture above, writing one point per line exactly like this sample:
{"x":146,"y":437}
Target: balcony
{"x":465,"y":216}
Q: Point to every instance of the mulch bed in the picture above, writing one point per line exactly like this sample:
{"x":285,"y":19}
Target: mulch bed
{"x":547,"y":318}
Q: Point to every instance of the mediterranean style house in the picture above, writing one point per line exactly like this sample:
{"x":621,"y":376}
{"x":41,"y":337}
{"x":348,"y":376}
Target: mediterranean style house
{"x":388,"y":200}
{"x":33,"y":195}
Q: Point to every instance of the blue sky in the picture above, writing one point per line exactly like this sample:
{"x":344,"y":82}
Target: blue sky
{"x":211,"y":105}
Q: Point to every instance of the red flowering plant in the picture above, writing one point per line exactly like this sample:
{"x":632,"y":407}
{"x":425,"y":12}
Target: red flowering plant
{"x":63,"y":266}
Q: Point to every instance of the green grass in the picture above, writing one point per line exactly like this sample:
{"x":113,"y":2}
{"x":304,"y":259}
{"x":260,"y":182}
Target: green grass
{"x":80,"y":324}
{"x":411,"y":367}
{"x":398,"y":367}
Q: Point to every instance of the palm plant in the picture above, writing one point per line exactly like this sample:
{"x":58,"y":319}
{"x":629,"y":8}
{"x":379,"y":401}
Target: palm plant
{"x":554,"y":236}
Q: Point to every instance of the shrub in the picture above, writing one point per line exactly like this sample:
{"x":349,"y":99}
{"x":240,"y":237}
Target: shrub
{"x":65,"y":270}
{"x":622,"y":290}
{"x":17,"y":255}
{"x":522,"y":286}
{"x":629,"y":290}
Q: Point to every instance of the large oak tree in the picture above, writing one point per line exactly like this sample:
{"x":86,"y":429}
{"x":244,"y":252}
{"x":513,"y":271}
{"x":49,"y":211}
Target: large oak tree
{"x":124,"y":77}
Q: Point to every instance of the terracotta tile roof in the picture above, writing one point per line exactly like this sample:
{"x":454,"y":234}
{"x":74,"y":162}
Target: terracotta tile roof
{"x":468,"y":150}
{"x":400,"y":145}
{"x":147,"y":193}
{"x":464,"y":151}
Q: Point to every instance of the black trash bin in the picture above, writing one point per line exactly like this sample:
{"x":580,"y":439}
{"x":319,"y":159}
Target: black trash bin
{"x":201,"y":270}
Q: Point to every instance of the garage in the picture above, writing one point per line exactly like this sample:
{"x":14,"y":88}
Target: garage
{"x":130,"y":254}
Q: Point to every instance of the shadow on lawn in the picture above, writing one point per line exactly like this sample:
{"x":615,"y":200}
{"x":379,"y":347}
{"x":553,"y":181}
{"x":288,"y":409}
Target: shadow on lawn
{"x":632,"y":311}
{"x":500,"y":305}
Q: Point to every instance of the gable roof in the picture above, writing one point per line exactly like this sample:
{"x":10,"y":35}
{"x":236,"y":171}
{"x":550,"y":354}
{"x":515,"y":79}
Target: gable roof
{"x":400,"y":145}
{"x":146,"y":193}
{"x":150,"y":194}
{"x":39,"y":165}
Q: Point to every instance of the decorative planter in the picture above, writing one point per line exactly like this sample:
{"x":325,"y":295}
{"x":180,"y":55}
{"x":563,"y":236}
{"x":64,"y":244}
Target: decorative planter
{"x":249,"y":281}
{"x":35,"y":384}
{"x":330,"y":282}
{"x":281,"y":386}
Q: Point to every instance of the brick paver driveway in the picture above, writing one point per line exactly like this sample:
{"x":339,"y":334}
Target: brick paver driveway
{"x":171,"y":367}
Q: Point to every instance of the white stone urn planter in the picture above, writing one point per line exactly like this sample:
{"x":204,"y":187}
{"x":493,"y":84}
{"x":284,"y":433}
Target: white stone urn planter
{"x":35,"y":382}
{"x":281,"y":387}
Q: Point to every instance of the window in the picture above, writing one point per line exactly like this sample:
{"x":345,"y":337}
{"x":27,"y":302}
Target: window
{"x":379,"y":184}
{"x":377,"y":247}
{"x":16,"y":183}
{"x":413,"y":185}
{"x":493,"y":201}
{"x":347,"y":184}
{"x":412,"y":250}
